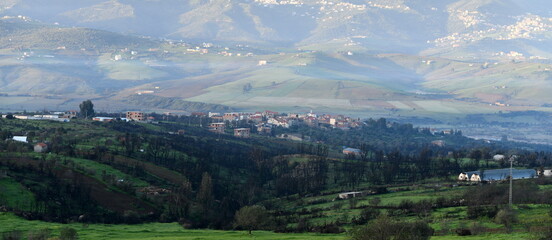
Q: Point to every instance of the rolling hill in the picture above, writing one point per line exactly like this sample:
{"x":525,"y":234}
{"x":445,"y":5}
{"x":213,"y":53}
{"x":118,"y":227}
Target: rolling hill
{"x":396,"y":58}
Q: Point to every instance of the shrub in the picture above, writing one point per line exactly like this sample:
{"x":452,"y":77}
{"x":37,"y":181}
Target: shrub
{"x":329,"y":228}
{"x":475,"y":212}
{"x":12,"y":235}
{"x":68,"y":233}
{"x":463,"y":232}
{"x":507,"y":217}
{"x":476,"y":228}
{"x":547,"y":234}
{"x":131,"y":217}
{"x":375,"y":201}
{"x":366,"y":215}
{"x":41,"y":234}
{"x":385,"y":228}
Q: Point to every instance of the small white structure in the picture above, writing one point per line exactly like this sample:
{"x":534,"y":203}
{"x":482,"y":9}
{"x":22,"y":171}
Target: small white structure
{"x":348,"y":195}
{"x":545,"y":173}
{"x":498,"y":157}
{"x":102,"y":119}
{"x":475,"y":178}
{"x":20,"y":139}
{"x":463,"y":177}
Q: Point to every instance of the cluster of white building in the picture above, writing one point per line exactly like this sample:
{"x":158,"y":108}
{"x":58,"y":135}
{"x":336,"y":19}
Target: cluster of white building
{"x":265,"y":121}
{"x":54,"y":116}
{"x":499,"y":175}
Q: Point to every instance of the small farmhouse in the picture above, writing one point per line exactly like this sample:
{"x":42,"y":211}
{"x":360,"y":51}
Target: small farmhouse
{"x":102,"y":119}
{"x":348,"y":195}
{"x":463,"y":177}
{"x":41,"y":147}
{"x":475,"y":178}
{"x":353,"y":151}
{"x":438,"y":143}
{"x":135,"y":116}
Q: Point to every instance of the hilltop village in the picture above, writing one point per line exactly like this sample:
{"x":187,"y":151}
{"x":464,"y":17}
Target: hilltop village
{"x":261,"y":122}
{"x":240,"y":124}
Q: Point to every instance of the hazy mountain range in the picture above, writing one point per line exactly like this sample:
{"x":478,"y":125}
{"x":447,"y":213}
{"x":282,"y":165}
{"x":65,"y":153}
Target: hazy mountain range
{"x":390,"y":57}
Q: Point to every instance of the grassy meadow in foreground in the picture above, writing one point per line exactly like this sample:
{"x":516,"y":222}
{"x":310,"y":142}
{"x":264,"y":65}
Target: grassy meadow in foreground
{"x":9,"y":222}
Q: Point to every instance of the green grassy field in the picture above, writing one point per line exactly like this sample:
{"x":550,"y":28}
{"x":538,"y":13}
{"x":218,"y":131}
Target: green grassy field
{"x":159,"y":231}
{"x":128,"y":69}
{"x":328,"y":208}
{"x":14,"y":194}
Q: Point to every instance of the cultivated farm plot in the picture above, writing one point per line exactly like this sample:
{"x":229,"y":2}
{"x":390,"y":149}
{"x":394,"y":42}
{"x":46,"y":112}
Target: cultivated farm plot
{"x":436,"y":106}
{"x":286,"y":101}
{"x":128,"y":70}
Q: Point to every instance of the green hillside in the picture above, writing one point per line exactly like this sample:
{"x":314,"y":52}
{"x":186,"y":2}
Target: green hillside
{"x":175,"y":170}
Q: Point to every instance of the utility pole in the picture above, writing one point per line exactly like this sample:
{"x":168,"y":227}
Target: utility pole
{"x":512,"y":158}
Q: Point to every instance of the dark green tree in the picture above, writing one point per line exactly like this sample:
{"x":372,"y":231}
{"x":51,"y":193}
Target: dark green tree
{"x":205,"y":195}
{"x":87,"y":109}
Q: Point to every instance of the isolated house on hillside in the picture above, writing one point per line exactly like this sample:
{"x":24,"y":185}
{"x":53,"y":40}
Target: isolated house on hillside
{"x":69,"y":114}
{"x":463,"y":177}
{"x":40,"y":147}
{"x":498,"y":157}
{"x":102,"y":119}
{"x":348,"y":195}
{"x":353,"y":151}
{"x":136,"y":116}
{"x":438,"y":143}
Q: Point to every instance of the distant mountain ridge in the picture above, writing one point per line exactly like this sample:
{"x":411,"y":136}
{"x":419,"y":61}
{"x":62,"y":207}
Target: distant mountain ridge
{"x":403,"y":25}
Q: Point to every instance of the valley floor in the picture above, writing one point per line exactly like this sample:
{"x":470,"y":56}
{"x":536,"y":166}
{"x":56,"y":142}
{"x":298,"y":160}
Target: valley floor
{"x":173,"y":231}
